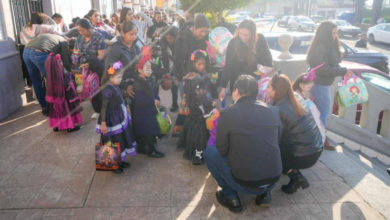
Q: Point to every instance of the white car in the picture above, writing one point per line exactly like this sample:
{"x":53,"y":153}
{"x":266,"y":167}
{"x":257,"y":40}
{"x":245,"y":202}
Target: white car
{"x":301,"y":23}
{"x":380,"y":33}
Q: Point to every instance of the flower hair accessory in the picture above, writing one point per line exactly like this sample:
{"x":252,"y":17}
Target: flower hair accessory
{"x":193,"y":55}
{"x":115,"y":66}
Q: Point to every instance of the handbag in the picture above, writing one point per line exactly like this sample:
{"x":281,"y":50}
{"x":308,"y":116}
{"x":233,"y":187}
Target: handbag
{"x":164,"y":121}
{"x":107,"y":155}
{"x":352,"y":91}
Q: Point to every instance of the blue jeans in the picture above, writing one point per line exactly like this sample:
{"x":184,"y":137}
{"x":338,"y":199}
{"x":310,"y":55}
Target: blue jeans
{"x":35,"y":63}
{"x":220,"y":170}
{"x":321,"y":97}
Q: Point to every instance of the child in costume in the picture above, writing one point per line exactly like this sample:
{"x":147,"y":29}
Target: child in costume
{"x":61,"y":96}
{"x":114,"y":122}
{"x":197,"y":93}
{"x":145,"y":103}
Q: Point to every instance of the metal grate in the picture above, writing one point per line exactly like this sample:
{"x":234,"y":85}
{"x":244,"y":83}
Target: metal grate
{"x":21,"y":12}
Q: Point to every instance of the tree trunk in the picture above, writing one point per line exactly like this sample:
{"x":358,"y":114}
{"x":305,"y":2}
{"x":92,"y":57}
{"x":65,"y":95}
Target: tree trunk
{"x":359,"y":7}
{"x":376,"y":10}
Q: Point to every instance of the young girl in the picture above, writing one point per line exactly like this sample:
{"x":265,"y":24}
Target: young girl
{"x":114,"y":122}
{"x":197,"y":92}
{"x":145,"y":103}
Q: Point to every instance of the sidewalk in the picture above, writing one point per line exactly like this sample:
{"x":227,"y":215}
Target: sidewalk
{"x":47,"y":175}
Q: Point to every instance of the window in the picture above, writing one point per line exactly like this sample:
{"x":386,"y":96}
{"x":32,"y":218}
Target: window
{"x":387,"y":28}
{"x":3,"y":35}
{"x":380,"y":27}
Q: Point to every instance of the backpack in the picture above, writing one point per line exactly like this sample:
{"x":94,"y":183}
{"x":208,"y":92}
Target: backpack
{"x":91,"y":84}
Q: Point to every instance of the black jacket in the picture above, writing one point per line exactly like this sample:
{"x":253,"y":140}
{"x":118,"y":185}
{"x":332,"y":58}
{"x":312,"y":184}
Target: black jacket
{"x":167,"y":52}
{"x":247,"y":136}
{"x":185,"y":44}
{"x":300,"y":136}
{"x":153,"y":29}
{"x":330,"y":57}
{"x":234,"y":67}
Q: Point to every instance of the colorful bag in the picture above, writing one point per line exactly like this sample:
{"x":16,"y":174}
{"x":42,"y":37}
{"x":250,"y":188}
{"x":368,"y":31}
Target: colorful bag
{"x":352,"y":91}
{"x":91,"y":84}
{"x":219,"y":39}
{"x":263,"y":85}
{"x":108,"y":156}
{"x":164,"y":121}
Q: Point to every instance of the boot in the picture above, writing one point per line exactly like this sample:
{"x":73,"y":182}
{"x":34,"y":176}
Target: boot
{"x":264,"y":200}
{"x":297,"y":180}
{"x":198,"y":158}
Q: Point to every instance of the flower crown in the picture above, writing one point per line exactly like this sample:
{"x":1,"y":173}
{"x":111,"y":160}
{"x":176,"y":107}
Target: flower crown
{"x":193,"y":55}
{"x":115,"y":66}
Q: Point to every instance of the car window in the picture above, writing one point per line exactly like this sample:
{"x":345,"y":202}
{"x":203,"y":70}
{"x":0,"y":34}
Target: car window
{"x":377,"y":80}
{"x":380,"y":27}
{"x":387,"y":28}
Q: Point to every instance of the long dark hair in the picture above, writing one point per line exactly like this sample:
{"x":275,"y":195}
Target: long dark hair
{"x":324,"y":37}
{"x":124,"y":12}
{"x":300,"y":79}
{"x":247,"y":52}
{"x":126,"y":26}
{"x":281,"y":84}
{"x":36,"y":18}
{"x":90,"y":13}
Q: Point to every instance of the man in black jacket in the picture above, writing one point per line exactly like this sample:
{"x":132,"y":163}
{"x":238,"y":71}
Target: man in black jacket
{"x":154,"y":31}
{"x":246,"y":158}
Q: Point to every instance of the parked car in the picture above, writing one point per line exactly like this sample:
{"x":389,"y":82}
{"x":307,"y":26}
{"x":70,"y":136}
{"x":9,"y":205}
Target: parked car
{"x":317,"y":18}
{"x":301,"y":23}
{"x":380,"y":33}
{"x":371,"y":75}
{"x":283,"y":21}
{"x":302,"y":41}
{"x":345,"y":28}
{"x":347,"y":16}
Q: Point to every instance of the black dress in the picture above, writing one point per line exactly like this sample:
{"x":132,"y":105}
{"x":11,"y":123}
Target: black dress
{"x":199,"y":101}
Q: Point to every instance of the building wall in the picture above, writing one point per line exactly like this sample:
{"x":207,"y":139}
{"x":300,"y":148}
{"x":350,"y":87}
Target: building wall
{"x":11,"y":76}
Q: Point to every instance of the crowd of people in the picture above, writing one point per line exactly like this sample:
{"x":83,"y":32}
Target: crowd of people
{"x":245,"y":142}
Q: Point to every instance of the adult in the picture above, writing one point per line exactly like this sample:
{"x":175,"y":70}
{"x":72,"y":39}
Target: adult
{"x":126,"y":51}
{"x":244,"y":53}
{"x":35,"y":55}
{"x":114,"y":21}
{"x":128,"y":15}
{"x":61,"y":27}
{"x":74,"y":22}
{"x":362,"y":42}
{"x":90,"y":48}
{"x":325,"y":49}
{"x":94,"y":17}
{"x":189,"y":40}
{"x":246,"y":158}
{"x":167,"y":44}
{"x":301,"y":143}
{"x":39,"y":24}
{"x":154,"y":31}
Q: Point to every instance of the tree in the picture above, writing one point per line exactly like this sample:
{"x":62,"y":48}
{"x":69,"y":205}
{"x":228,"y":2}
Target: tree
{"x":376,"y":10}
{"x":359,"y":7}
{"x":214,"y":7}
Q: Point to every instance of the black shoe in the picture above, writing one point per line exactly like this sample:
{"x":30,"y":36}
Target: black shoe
{"x":388,"y":171}
{"x":297,"y":180}
{"x":45,"y":112}
{"x":198,"y":159}
{"x":156,"y":154}
{"x":55,"y":129}
{"x":125,"y":165}
{"x":118,"y":171}
{"x":76,"y":128}
{"x":264,"y":200}
{"x":174,"y":108}
{"x":233,"y":204}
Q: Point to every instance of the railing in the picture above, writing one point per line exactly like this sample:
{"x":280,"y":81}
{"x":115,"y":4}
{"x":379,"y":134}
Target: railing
{"x":344,"y":124}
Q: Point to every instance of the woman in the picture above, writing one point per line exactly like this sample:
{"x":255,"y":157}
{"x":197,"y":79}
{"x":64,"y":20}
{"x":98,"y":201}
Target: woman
{"x":94,"y":17}
{"x":39,"y":24}
{"x":126,"y":51}
{"x":114,"y":21}
{"x":189,"y":40}
{"x":90,"y":49}
{"x":167,"y":47}
{"x":128,"y":15}
{"x":301,"y":141}
{"x":325,"y":49}
{"x":244,"y":53}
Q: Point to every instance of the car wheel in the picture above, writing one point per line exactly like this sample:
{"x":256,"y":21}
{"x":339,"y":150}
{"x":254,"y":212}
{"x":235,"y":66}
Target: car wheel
{"x":371,"y":38}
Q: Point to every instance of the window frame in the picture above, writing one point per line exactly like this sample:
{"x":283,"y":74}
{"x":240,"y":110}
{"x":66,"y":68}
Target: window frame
{"x":3,"y":28}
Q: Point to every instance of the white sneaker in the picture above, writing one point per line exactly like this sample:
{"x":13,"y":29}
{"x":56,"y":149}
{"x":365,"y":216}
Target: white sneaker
{"x":95,"y":115}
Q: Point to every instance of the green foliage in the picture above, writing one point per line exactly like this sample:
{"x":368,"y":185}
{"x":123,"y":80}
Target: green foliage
{"x":213,"y":6}
{"x":367,"y":20}
{"x":387,"y":19}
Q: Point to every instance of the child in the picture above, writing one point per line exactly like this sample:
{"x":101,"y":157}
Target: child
{"x":114,"y":122}
{"x":302,"y":86}
{"x":61,"y":96}
{"x":197,"y":92}
{"x":362,"y":43}
{"x":145,"y":104}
